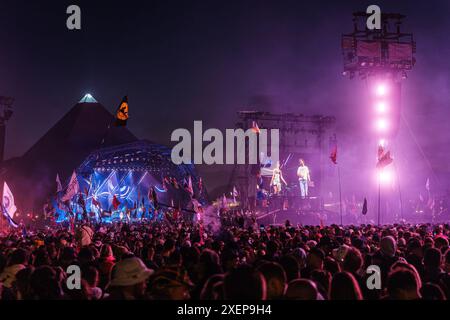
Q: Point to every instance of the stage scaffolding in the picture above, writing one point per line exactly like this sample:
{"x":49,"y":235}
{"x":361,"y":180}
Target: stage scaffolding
{"x":301,"y":136}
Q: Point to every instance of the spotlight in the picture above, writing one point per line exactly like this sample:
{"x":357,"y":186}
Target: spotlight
{"x":381,"y":89}
{"x":382,"y":124}
{"x":381,"y":107}
{"x":385,"y":177}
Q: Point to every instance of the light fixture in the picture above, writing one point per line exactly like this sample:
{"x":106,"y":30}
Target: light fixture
{"x":381,"y":107}
{"x":382,"y":124}
{"x":381,"y":89}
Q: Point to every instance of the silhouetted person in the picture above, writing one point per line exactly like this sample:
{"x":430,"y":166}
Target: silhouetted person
{"x":244,"y":283}
{"x":344,"y":287}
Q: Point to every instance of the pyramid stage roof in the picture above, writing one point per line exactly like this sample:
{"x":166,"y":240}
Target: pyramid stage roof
{"x":86,"y":128}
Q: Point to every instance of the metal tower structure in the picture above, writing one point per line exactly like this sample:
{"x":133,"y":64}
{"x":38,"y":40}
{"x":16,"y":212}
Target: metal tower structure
{"x":382,"y":57}
{"x":387,"y":51}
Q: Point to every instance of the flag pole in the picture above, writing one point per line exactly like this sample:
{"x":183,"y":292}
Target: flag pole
{"x":340,"y":193}
{"x":379,"y":198}
{"x":1,"y":205}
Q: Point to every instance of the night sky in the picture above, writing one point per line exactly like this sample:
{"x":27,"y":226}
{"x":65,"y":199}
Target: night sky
{"x":181,"y":61}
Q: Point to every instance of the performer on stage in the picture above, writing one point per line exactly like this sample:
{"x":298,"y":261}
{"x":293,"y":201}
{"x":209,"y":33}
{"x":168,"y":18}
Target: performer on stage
{"x":304,"y":178}
{"x":277,"y":178}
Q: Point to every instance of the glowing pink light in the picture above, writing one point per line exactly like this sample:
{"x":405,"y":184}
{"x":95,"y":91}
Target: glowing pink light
{"x":381,"y":89}
{"x":385,"y":176}
{"x":381,"y":107}
{"x":382,"y":124}
{"x":382,"y":142}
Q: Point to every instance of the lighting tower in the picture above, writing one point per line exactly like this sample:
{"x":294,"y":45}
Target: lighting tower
{"x":382,"y":57}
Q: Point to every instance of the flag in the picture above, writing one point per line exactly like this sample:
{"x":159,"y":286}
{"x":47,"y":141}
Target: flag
{"x":115,"y":202}
{"x":384,"y":158}
{"x":380,"y":151}
{"x":200,"y":184}
{"x":255,"y":127}
{"x":364,"y":208}
{"x":8,"y":200}
{"x":122,"y":113}
{"x":189,"y":187}
{"x":153,"y":197}
{"x":175,"y":183}
{"x":58,"y":184}
{"x":10,"y":220}
{"x":224,"y":201}
{"x":427,"y":184}
{"x":430,"y":203}
{"x":333,"y":155}
{"x":8,"y":206}
{"x":234,"y":194}
{"x":72,"y":189}
{"x":95,"y":202}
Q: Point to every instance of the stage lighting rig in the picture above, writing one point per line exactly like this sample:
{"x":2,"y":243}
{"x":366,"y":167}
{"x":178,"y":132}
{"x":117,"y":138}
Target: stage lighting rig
{"x":387,"y":51}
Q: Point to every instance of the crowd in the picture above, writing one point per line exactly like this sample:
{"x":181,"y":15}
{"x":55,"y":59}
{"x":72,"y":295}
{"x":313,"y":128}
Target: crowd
{"x":185,"y":261}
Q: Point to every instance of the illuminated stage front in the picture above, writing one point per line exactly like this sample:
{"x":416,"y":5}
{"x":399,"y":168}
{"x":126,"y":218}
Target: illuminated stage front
{"x":128,"y":172}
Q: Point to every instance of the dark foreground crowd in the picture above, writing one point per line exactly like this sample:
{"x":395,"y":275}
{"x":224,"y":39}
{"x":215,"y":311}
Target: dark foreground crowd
{"x":191,"y":262}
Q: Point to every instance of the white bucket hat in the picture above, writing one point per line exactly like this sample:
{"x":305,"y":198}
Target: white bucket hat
{"x":130,"y":271}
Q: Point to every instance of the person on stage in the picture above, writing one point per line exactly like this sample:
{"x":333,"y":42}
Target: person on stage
{"x":277,"y":178}
{"x":304,"y":178}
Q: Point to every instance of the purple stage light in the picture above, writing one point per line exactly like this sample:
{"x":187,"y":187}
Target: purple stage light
{"x":382,"y":124}
{"x":385,"y":176}
{"x":381,"y":107}
{"x":381,"y":89}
